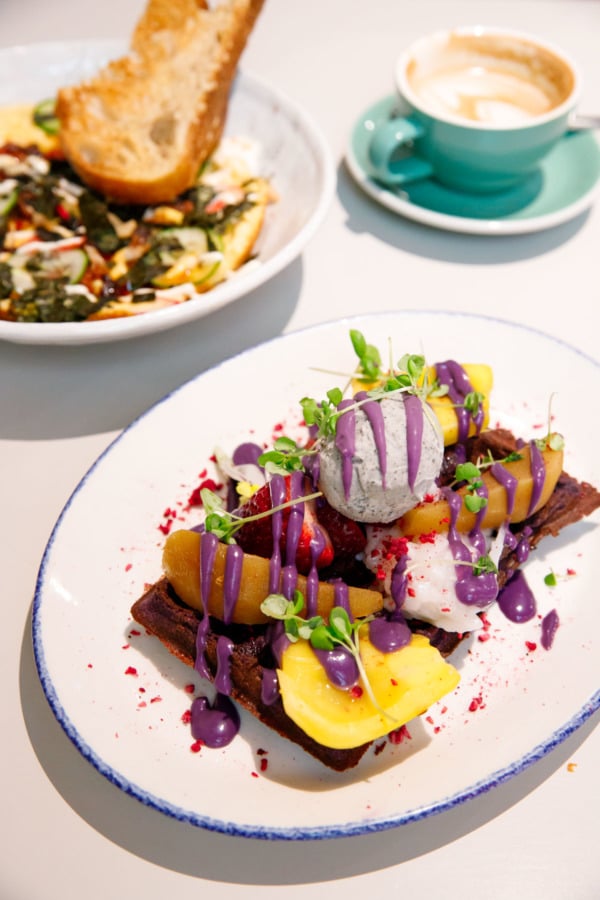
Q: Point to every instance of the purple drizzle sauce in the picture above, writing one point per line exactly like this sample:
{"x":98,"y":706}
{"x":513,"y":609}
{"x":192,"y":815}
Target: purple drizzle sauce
{"x":550,"y":624}
{"x":340,"y":666}
{"x":234,"y":559}
{"x":374,"y":413}
{"x":216,"y":725}
{"x":538,"y":475}
{"x":508,"y":482}
{"x":451,"y":374}
{"x":413,"y":409}
{"x":345,"y":441}
{"x":471,"y":589}
{"x":516,"y":599}
{"x":278,"y":494}
{"x":389,"y":634}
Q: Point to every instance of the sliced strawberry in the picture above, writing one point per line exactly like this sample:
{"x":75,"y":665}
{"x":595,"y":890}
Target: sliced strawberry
{"x":257,"y":536}
{"x":346,"y":535}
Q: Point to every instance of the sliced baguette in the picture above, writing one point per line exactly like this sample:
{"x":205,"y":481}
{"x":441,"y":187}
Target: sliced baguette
{"x":139,"y":131}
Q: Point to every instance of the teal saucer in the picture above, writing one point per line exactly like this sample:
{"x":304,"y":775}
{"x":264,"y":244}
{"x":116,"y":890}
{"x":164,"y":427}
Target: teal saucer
{"x":564,"y":186}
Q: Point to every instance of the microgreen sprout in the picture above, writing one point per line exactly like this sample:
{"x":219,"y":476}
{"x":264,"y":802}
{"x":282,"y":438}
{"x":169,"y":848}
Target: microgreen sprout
{"x":323,"y":415}
{"x":285,"y":457}
{"x":224,"y":524}
{"x":552,"y":440}
{"x":550,"y":579}
{"x":369,"y":360}
{"x":471,"y":474}
{"x":473,"y":402}
{"x":485,"y":565}
{"x":322,"y":635}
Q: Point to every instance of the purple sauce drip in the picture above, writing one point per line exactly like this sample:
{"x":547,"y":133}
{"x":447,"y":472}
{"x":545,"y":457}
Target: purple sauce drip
{"x":269,"y":687}
{"x":476,"y":534}
{"x":550,"y":624}
{"x":234,"y":560}
{"x":538,"y":475}
{"x":345,"y":442}
{"x":516,"y":599}
{"x":374,"y":413}
{"x":340,"y":666}
{"x":341,"y":596}
{"x":223,"y":676}
{"x":388,"y":635}
{"x":413,"y":409}
{"x":470,"y":589}
{"x":508,"y":482}
{"x":278,"y":494}
{"x":278,"y":640}
{"x":208,"y":550}
{"x":216,"y":725}
{"x":247,"y":453}
{"x":289,"y":574}
{"x":451,"y":374}
{"x":317,"y":545}
{"x":522,"y":550}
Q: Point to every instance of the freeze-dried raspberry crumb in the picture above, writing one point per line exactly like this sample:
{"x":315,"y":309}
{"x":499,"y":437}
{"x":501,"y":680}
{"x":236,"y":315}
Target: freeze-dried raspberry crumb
{"x":261,"y":752}
{"x":484,"y":636}
{"x":356,"y":691}
{"x":476,"y":703}
{"x":379,"y":748}
{"x":131,"y":670}
{"x":90,"y":665}
{"x":571,"y":572}
{"x":429,"y":719}
{"x":128,"y":567}
{"x":186,"y":718}
{"x":428,"y":498}
{"x":531,"y":645}
{"x":428,"y":538}
{"x":254,"y":774}
{"x":410,"y":591}
{"x":399,"y":735}
{"x":264,"y":764}
{"x":165,"y":527}
{"x":394,"y":682}
{"x":195,"y":498}
{"x":134,"y":632}
{"x":189,"y":688}
{"x":196,"y":747}
{"x":156,"y":700}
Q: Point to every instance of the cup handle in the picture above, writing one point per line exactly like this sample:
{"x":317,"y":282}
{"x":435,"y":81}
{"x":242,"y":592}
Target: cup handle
{"x":390,"y":137}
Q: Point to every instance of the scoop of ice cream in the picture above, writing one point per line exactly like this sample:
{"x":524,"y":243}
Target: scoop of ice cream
{"x":385,"y":457}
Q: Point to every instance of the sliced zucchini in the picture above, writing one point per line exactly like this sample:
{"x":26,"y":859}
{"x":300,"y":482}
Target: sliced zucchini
{"x":52,"y":266}
{"x":44,"y":116}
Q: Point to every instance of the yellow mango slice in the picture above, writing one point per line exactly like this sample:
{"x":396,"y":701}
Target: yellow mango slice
{"x":405,"y":684}
{"x":482,"y":379}
{"x":428,"y":517}
{"x":181,"y":565}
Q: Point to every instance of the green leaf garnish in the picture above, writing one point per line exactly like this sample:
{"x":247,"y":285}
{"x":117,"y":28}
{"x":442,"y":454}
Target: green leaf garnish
{"x":551,"y":579}
{"x":485,"y":565}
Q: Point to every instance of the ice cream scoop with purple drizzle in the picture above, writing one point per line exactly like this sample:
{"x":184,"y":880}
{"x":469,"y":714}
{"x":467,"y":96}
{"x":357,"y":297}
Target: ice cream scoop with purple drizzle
{"x":385,"y":457}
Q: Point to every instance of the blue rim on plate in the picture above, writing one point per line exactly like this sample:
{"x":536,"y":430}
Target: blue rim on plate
{"x":563,"y":187}
{"x":251,"y":830}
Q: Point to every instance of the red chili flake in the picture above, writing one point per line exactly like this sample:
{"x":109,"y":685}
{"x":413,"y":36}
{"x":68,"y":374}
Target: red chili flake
{"x":189,"y":688}
{"x":356,"y":691}
{"x":531,"y":645}
{"x":399,"y":735}
{"x":428,"y":538}
{"x":156,"y":700}
{"x":196,"y":746}
{"x":130,"y":670}
{"x":187,"y":717}
{"x":264,"y":764}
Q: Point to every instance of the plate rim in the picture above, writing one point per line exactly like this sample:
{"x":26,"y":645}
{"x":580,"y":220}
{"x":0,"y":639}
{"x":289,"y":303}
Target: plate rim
{"x":491,"y":227}
{"x":112,"y":330}
{"x":300,"y":833}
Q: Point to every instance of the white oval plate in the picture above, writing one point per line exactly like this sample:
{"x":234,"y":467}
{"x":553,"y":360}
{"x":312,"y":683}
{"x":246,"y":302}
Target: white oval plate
{"x":294,"y":157}
{"x":107,"y":545}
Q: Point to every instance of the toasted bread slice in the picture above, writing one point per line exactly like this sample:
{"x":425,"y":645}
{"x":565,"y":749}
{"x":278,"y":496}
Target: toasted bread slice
{"x":139,"y":131}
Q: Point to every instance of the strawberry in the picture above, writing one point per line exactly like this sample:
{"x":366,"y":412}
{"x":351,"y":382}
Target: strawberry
{"x":346,"y":535}
{"x":257,"y":536}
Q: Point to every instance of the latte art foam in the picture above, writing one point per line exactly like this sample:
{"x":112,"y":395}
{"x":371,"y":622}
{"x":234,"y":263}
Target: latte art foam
{"x":483,"y":95}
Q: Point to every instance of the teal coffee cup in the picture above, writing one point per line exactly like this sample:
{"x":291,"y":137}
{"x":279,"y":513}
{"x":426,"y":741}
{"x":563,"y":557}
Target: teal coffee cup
{"x":478,"y":109}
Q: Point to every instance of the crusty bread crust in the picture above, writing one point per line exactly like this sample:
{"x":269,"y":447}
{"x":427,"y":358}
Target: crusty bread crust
{"x":139,"y":131}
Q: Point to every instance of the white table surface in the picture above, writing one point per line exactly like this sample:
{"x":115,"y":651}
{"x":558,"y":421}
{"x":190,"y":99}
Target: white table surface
{"x":65,"y":831}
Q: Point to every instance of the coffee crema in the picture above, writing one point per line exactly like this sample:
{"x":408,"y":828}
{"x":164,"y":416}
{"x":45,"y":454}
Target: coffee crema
{"x":492,"y":82}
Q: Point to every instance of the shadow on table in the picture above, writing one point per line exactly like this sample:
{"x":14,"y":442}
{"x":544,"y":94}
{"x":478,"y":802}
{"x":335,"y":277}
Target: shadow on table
{"x":192,"y":851}
{"x":365,"y":215}
{"x":103,"y":387}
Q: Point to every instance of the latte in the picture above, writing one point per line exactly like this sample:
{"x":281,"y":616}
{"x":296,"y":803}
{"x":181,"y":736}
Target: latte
{"x":497,"y":84}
